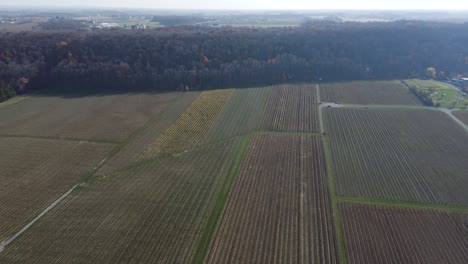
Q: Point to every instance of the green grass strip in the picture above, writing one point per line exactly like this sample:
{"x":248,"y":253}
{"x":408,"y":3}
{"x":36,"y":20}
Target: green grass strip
{"x":90,"y":178}
{"x":448,"y":207}
{"x":221,"y":199}
{"x":334,"y":200}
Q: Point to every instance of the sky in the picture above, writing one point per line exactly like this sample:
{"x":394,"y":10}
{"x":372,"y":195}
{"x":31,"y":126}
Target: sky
{"x":248,"y":4}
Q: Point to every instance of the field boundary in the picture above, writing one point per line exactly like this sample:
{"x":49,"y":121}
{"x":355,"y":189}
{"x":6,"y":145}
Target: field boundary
{"x":331,"y":183}
{"x":222,"y":197}
{"x":26,"y":227}
{"x":14,"y":100}
{"x":290,"y":133}
{"x":319,"y":101}
{"x":61,"y":139}
{"x":87,"y":178}
{"x":447,"y":207}
{"x":334,"y":200}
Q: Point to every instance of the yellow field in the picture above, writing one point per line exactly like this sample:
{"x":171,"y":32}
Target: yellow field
{"x":192,"y":126}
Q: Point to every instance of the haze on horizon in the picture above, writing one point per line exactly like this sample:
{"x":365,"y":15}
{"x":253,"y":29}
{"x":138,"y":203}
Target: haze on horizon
{"x":247,"y":4}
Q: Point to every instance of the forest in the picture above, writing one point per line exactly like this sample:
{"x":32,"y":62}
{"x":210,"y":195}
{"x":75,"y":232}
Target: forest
{"x":190,"y":57}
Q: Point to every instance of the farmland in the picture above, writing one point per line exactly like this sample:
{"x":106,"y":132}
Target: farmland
{"x":441,"y":94}
{"x":368,"y":92}
{"x":106,"y":117}
{"x":462,"y":115}
{"x":234,"y":176}
{"x":398,"y":154}
{"x":279,"y":208}
{"x":150,"y":212}
{"x":35,"y":172}
{"x":192,"y":126}
{"x":401,"y":235}
{"x":240,"y":115}
{"x":291,"y":108}
{"x":137,"y":146}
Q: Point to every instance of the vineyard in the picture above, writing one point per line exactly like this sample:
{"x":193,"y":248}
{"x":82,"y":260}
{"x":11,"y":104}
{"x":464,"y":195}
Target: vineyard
{"x":151,"y":212}
{"x":35,"y":172}
{"x":462,"y":115}
{"x":291,"y":107}
{"x":234,"y":176}
{"x":398,"y":154}
{"x":138,"y":145}
{"x":109,"y":117}
{"x":192,"y":126}
{"x":240,"y":115}
{"x":368,"y":92}
{"x":398,"y":235}
{"x":279,"y":208}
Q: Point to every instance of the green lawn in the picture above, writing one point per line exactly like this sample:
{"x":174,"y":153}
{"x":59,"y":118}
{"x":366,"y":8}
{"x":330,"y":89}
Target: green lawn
{"x":442,"y":94}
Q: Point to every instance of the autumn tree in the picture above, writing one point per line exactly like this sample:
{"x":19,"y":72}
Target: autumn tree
{"x":431,"y":72}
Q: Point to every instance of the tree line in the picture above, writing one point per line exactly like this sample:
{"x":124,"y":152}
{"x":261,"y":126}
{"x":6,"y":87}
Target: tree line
{"x":205,"y":58}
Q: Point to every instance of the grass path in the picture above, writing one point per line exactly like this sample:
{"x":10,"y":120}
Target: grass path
{"x":86,"y":179}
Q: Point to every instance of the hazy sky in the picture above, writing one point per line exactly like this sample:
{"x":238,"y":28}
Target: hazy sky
{"x":250,"y":4}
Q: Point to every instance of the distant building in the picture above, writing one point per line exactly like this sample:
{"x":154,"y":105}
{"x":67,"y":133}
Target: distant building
{"x":109,"y":25}
{"x":139,"y":26}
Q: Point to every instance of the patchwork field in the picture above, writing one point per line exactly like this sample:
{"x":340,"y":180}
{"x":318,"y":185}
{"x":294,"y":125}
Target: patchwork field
{"x":398,"y":154}
{"x":152,"y":212}
{"x":107,"y":117}
{"x":398,"y":235}
{"x":462,"y":115}
{"x":192,"y":126}
{"x":35,"y":172}
{"x":368,"y":92}
{"x":234,"y":176}
{"x":279,"y":208}
{"x":291,"y":108}
{"x":137,"y":146}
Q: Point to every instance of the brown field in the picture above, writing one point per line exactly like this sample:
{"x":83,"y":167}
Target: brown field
{"x":291,"y":108}
{"x":152,"y":212}
{"x":35,"y":172}
{"x":368,"y":92}
{"x":400,"y":235}
{"x":462,"y":115}
{"x":398,"y":154}
{"x":279,"y":208}
{"x":109,"y":117}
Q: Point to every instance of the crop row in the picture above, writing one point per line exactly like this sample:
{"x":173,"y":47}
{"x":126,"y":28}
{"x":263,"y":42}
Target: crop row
{"x":293,"y":108}
{"x":401,"y":235}
{"x":191,"y":128}
{"x":152,"y":212}
{"x":108,"y":117}
{"x":279,"y":208}
{"x":137,"y":146}
{"x":35,"y":172}
{"x":240,"y":115}
{"x":398,"y":154}
{"x":368,"y":92}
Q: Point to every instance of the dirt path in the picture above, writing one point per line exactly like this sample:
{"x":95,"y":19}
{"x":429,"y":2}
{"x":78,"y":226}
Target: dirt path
{"x":26,"y":227}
